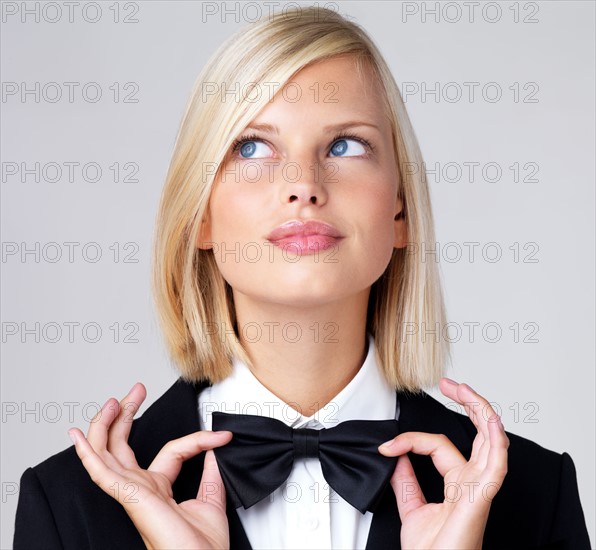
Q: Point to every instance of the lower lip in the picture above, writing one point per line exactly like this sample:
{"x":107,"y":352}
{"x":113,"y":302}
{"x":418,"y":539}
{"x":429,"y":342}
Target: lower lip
{"x":306,"y":244}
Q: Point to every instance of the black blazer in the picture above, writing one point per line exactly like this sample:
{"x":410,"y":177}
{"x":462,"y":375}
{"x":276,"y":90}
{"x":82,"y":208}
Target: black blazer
{"x":538,"y":505}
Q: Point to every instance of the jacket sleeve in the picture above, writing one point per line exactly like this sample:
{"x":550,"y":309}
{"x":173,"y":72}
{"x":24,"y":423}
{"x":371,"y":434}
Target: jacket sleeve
{"x":35,"y":526}
{"x":569,"y":531}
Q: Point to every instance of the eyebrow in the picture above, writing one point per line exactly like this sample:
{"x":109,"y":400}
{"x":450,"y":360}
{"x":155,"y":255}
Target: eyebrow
{"x":349,"y":124}
{"x":272,"y":129}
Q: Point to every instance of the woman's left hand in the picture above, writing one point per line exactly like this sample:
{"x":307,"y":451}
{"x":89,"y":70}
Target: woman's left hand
{"x":459,"y":521}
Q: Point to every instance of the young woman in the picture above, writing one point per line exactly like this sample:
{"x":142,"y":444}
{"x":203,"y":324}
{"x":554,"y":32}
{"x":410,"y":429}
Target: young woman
{"x":286,"y":292}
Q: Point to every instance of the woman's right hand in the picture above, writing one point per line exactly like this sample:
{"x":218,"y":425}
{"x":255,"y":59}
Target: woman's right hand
{"x":146,"y":495}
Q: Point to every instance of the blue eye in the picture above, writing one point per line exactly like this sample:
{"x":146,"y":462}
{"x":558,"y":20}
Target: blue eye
{"x":352,"y":146}
{"x":248,"y":149}
{"x":251,"y":147}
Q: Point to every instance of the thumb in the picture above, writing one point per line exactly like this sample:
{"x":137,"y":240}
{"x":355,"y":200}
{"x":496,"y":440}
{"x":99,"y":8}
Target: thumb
{"x":211,"y":489}
{"x":405,"y":485}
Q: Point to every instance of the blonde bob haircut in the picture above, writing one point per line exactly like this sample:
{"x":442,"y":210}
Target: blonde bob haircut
{"x":194,"y":303}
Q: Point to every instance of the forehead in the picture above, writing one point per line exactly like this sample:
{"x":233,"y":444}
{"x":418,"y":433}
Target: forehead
{"x":342,"y":68}
{"x":328,"y":89}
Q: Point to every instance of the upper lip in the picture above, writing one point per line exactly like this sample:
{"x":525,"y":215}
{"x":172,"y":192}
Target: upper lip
{"x":303,"y":228}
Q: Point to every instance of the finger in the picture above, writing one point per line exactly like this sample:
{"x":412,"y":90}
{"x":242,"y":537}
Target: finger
{"x":140,"y":503}
{"x":496,"y":465}
{"x":464,"y":395}
{"x":211,"y":489}
{"x":479,"y":448}
{"x":482,"y":414}
{"x":405,"y":485}
{"x":444,"y":454}
{"x":169,"y":460}
{"x":97,"y":434}
{"x":119,"y":431}
{"x":101,"y":474}
{"x":477,"y":407}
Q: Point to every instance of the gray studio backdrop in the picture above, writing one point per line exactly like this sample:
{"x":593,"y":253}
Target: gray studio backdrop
{"x":501,"y":96}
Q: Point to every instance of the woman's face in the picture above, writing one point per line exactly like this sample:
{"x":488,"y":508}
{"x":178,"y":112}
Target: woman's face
{"x":295,"y":163}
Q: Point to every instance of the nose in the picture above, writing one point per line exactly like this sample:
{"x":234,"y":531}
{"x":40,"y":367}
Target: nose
{"x":303,"y":183}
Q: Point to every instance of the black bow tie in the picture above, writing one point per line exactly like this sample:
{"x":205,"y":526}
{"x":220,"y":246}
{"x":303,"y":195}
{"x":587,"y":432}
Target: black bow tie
{"x":260,"y":456}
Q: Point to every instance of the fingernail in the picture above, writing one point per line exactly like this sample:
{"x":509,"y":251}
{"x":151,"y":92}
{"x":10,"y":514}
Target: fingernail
{"x":72,"y":436}
{"x":222,"y":432}
{"x":386,"y":445}
{"x":471,"y":388}
{"x":449,"y":381}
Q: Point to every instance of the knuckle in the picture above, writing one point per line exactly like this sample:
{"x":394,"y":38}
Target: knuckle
{"x":444,"y":439}
{"x":501,"y":470}
{"x":172,"y":449}
{"x":169,"y":447}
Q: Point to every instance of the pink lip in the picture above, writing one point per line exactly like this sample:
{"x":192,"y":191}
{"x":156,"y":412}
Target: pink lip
{"x":305,"y":237}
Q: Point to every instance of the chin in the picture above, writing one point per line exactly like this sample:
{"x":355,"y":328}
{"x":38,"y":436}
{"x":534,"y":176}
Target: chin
{"x":309,"y":292}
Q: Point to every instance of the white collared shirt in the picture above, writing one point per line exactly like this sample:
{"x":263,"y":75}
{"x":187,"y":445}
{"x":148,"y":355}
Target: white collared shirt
{"x":303,"y":513}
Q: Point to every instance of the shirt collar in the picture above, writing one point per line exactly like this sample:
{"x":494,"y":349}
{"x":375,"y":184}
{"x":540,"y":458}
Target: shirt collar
{"x":368,"y":396}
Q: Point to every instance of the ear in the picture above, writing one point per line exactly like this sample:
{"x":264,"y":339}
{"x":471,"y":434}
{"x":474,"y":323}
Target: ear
{"x":204,"y":240}
{"x":400,"y":226}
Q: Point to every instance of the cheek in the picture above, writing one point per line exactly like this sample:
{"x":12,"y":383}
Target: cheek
{"x":238,"y":206}
{"x":377,"y":224}
{"x":377,"y":203}
{"x":235,"y":232}
{"x":230,"y":213}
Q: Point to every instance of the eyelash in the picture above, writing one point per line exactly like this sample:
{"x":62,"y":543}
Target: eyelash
{"x":341,"y":135}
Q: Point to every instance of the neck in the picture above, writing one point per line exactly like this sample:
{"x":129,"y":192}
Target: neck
{"x":304,"y":355}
